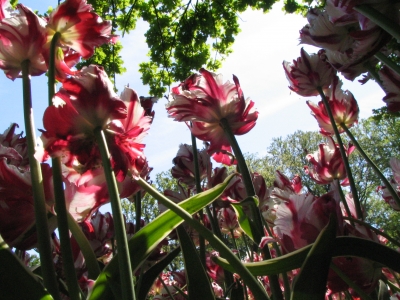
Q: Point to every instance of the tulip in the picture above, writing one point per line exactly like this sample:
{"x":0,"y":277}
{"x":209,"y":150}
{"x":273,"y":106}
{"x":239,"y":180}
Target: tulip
{"x":205,"y":100}
{"x":343,"y":106}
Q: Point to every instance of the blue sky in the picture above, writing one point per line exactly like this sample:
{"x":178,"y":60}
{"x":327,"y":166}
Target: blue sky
{"x":264,"y":42}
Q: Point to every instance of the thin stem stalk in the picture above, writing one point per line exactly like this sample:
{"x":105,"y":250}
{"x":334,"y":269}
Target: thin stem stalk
{"x":58,"y":186}
{"x":198,"y":190}
{"x":84,"y":245}
{"x":124,"y":261}
{"x":42,"y":228}
{"x":63,"y":231}
{"x":52,"y":68}
{"x":343,"y":198}
{"x":248,"y":183}
{"x":388,"y":62}
{"x":346,"y":279}
{"x":343,"y":154}
{"x":243,"y":169}
{"x":373,"y":166}
{"x":138,"y":210}
{"x":380,"y":19}
{"x":377,"y":231}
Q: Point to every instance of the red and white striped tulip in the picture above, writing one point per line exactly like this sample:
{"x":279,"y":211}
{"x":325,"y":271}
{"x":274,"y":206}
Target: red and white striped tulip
{"x":204,"y":99}
{"x":343,"y":106}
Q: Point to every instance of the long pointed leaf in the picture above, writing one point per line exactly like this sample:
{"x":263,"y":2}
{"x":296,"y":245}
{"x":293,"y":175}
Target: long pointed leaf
{"x":343,"y":246}
{"x":151,"y":274}
{"x":87,"y":251}
{"x":243,"y":220}
{"x":310,"y":284}
{"x":199,"y":286}
{"x":254,"y":285}
{"x":16,"y":280}
{"x":147,"y":238}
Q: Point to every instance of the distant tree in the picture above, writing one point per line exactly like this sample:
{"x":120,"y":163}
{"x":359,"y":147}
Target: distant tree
{"x":288,"y":155}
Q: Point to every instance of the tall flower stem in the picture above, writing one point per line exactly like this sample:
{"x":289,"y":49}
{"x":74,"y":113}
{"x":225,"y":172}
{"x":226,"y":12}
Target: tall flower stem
{"x":286,"y":284}
{"x":213,"y":221}
{"x":63,"y":231}
{"x":343,"y":154}
{"x":138,"y":210}
{"x":222,"y":248}
{"x":124,"y":261}
{"x":248,"y":183}
{"x":343,"y":198}
{"x":380,"y":19}
{"x":377,"y":231}
{"x":42,"y":228}
{"x":388,"y":62}
{"x":373,"y":166}
{"x":198,"y":190}
{"x":351,"y":284}
{"x":244,"y":170}
{"x":52,"y":68}
{"x":60,"y":206}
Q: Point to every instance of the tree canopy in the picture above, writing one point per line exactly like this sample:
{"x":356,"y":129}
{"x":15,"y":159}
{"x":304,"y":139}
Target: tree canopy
{"x":183,"y":36}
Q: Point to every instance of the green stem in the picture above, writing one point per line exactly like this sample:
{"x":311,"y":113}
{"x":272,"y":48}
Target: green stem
{"x":58,"y":186}
{"x":138,"y":210}
{"x":350,"y":283}
{"x":286,"y":284}
{"x":380,"y":19}
{"x":373,"y":166}
{"x":246,"y":177}
{"x":257,"y":289}
{"x":52,"y":69}
{"x":244,"y":170}
{"x":124,"y":261}
{"x":388,"y":62}
{"x":42,"y":228}
{"x":234,"y":242}
{"x":343,"y":154}
{"x":377,"y":231}
{"x":247,"y":247}
{"x":63,"y":231}
{"x":87,"y":251}
{"x":198,"y":190}
{"x":343,"y":198}
{"x":248,"y":183}
{"x":196,"y":164}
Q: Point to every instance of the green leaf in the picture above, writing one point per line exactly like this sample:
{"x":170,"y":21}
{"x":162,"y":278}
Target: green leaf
{"x":84,"y":245}
{"x":343,"y":246}
{"x":310,"y":284}
{"x":16,"y":280}
{"x":243,"y":220}
{"x":198,"y":283}
{"x":383,"y":293}
{"x":147,"y":279}
{"x":147,"y":238}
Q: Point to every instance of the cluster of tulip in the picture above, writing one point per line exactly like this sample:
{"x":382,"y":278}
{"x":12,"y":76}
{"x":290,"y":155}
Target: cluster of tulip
{"x":239,"y":239}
